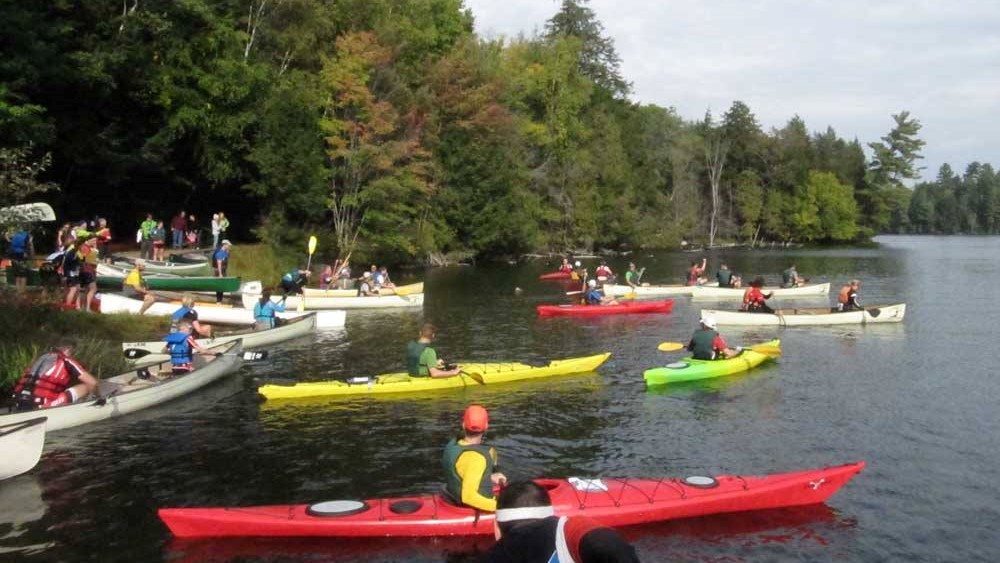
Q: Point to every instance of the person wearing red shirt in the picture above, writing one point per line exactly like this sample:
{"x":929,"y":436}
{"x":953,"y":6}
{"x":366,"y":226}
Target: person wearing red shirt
{"x":754,"y":300}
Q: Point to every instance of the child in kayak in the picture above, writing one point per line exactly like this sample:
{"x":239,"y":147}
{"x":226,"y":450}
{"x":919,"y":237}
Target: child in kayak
{"x":594,"y":296}
{"x":470,"y":465}
{"x":527,"y":529}
{"x":422,"y":359}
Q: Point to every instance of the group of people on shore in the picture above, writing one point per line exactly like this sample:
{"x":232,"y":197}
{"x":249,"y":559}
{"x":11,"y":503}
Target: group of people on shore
{"x":185,"y":231}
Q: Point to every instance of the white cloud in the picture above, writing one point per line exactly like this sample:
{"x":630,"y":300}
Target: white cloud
{"x":848,"y":64}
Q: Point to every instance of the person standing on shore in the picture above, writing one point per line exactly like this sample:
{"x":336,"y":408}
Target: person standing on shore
{"x":19,"y":251}
{"x":146,"y":242}
{"x":223,"y":225}
{"x":103,"y":240}
{"x":216,"y":229}
{"x":178,"y":226}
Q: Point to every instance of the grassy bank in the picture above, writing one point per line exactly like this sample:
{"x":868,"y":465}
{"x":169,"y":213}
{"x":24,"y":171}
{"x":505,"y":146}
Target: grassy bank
{"x":33,"y":325}
{"x":262,"y":262}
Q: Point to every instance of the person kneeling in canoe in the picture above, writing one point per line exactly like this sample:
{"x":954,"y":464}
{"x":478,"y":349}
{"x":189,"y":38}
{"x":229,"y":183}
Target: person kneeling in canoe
{"x":595,"y":296}
{"x":724,"y":276}
{"x":791,"y":278}
{"x":54,"y":379}
{"x":294,"y":280}
{"x":847,"y":300}
{"x":181,"y":346}
{"x":187,"y":313}
{"x":265,"y":311}
{"x":470,"y":466}
{"x":754,"y":300}
{"x":365,"y":288}
{"x":422,"y":360}
{"x":527,"y":530}
{"x":707,"y":344}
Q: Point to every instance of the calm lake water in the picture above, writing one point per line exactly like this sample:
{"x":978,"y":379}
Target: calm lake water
{"x":915,"y":400}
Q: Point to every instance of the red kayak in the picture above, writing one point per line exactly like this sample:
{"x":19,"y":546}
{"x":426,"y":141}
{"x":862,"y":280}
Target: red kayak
{"x":622,"y":308}
{"x":611,"y":502}
{"x":560,"y":275}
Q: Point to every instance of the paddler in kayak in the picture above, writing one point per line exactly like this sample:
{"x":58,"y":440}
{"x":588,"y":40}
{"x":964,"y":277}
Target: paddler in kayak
{"x":604,"y":273}
{"x":135,"y":287}
{"x":632,"y":275}
{"x":181,"y":346}
{"x":724,"y":276}
{"x":754,"y":300}
{"x":187,"y":313}
{"x":696,"y":273}
{"x":594,"y":296}
{"x":790,"y":277}
{"x":565,"y":266}
{"x":470,"y":465}
{"x":265,"y":311}
{"x":847,"y":300}
{"x":707,"y":344}
{"x":579,"y":272}
{"x":527,"y":530}
{"x":53,"y":379}
{"x":422,"y":359}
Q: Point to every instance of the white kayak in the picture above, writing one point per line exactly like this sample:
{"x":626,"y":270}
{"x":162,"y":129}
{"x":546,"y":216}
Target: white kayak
{"x":212,"y":313}
{"x":293,"y":328}
{"x":813,"y":290}
{"x":408,"y":289}
{"x":21,"y":443}
{"x":130,"y":392}
{"x":806,"y":317}
{"x":369,"y":302}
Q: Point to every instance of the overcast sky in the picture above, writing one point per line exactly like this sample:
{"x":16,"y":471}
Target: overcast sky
{"x":848,"y":64}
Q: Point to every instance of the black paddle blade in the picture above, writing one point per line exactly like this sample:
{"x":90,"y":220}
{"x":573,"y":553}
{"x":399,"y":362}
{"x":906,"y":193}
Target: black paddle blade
{"x":136,"y":353}
{"x":875,"y":312}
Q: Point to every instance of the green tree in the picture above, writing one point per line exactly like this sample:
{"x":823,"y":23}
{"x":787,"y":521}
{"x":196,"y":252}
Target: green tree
{"x":597,"y":56}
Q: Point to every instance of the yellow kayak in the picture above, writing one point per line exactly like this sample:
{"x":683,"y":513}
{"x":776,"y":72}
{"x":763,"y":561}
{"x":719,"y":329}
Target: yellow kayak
{"x":404,"y":383}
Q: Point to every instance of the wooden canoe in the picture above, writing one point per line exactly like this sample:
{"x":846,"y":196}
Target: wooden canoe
{"x":293,"y":328}
{"x":807,"y":317}
{"x":128,"y":392}
{"x":21,"y":443}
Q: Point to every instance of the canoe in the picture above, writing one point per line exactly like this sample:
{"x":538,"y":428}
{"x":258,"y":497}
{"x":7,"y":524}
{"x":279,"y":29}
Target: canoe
{"x":128,"y":392}
{"x":813,"y":290}
{"x":648,"y":290}
{"x":623,"y":308}
{"x":690,"y":369}
{"x":293,"y":328}
{"x":211,"y":313}
{"x":27,"y":213}
{"x":808,"y":317}
{"x":408,"y":289}
{"x":490,"y":373}
{"x":612,"y":502}
{"x":193,"y":257}
{"x":155,"y":267}
{"x":558,"y":276}
{"x":107,"y":279}
{"x":369,"y":302}
{"x":21,"y":444}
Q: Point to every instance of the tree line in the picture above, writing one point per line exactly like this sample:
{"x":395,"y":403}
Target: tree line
{"x":389,"y":128}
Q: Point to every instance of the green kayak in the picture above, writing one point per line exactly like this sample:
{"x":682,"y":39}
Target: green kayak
{"x":188,"y":283}
{"x":690,"y":369}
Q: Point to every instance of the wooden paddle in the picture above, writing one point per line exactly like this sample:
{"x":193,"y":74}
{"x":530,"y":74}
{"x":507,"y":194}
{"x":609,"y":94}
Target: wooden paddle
{"x":768,"y":349}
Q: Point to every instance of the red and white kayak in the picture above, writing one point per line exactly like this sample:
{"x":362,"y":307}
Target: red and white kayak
{"x":622,"y":308}
{"x":611,"y":502}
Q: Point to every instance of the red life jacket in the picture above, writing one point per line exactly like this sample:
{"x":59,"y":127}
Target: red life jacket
{"x":47,"y":378}
{"x":845,"y":295}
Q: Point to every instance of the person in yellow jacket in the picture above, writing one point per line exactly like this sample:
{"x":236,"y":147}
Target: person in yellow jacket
{"x":470,"y":465}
